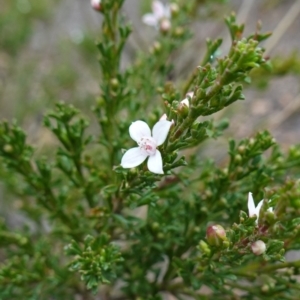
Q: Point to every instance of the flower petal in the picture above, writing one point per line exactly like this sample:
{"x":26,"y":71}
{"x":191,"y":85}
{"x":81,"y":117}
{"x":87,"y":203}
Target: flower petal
{"x":160,"y":131}
{"x":133,"y":157}
{"x":167,"y":12}
{"x":158,"y":9}
{"x":163,"y":117}
{"x":139,"y":129}
{"x":258,"y":207}
{"x":150,"y":19}
{"x":251,"y":205}
{"x":185,"y":101}
{"x":155,"y":163}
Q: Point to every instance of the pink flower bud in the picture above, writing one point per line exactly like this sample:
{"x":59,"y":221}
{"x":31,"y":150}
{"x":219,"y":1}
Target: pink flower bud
{"x":215,"y":235}
{"x":165,"y":25}
{"x":258,"y":247}
{"x":96,"y":4}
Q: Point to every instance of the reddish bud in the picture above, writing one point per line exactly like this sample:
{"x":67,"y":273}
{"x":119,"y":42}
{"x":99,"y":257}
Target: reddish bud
{"x":165,"y":25}
{"x":215,"y":235}
{"x":96,"y":5}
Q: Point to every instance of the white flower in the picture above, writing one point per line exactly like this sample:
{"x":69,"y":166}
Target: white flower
{"x":255,"y":210}
{"x":160,"y":16}
{"x":164,"y":117}
{"x":141,"y":133}
{"x":185,"y":101}
{"x":96,"y":4}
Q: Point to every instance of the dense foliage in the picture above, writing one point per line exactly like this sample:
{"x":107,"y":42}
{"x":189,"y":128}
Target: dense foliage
{"x":95,"y":228}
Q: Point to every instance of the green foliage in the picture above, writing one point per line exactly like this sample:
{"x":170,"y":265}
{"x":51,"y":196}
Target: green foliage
{"x":129,"y":233}
{"x":96,"y":262}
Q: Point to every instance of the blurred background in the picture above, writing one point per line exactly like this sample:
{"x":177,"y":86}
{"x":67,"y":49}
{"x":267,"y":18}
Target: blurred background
{"x":48,"y":54}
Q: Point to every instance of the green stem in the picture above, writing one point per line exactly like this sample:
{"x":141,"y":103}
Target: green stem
{"x":252,"y":291}
{"x":48,"y":201}
{"x":189,"y":82}
{"x":271,"y":268}
{"x":76,"y":157}
{"x":209,"y":52}
{"x":251,"y":271}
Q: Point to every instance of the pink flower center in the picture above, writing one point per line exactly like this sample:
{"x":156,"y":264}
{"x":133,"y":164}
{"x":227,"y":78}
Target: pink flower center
{"x":147,"y":145}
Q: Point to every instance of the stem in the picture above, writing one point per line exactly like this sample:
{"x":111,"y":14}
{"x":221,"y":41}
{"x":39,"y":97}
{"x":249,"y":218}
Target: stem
{"x":295,"y":264}
{"x":76,"y":157}
{"x":49,"y":202}
{"x":209,"y":52}
{"x":242,"y":287}
{"x":189,"y":82}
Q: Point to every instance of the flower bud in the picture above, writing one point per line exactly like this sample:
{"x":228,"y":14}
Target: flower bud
{"x":161,"y":236}
{"x":280,"y":160}
{"x":165,"y":25}
{"x":224,"y":172}
{"x":226,"y":244}
{"x":174,"y":8}
{"x":204,"y":248}
{"x":183,"y":108}
{"x":179,"y":31}
{"x":258,"y":247}
{"x":215,"y":235}
{"x":8,"y":148}
{"x":238,"y":158}
{"x":270,"y":216}
{"x":204,"y":209}
{"x":197,"y":229}
{"x":223,"y":201}
{"x":114,"y":83}
{"x":100,"y":102}
{"x":155,"y":226}
{"x":208,"y":193}
{"x":96,"y":5}
{"x":265,"y":288}
{"x":241,"y":149}
{"x":252,"y":142}
{"x":156,"y":48}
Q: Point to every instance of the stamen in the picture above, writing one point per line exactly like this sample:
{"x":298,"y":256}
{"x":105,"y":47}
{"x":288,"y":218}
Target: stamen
{"x":148,"y":145}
